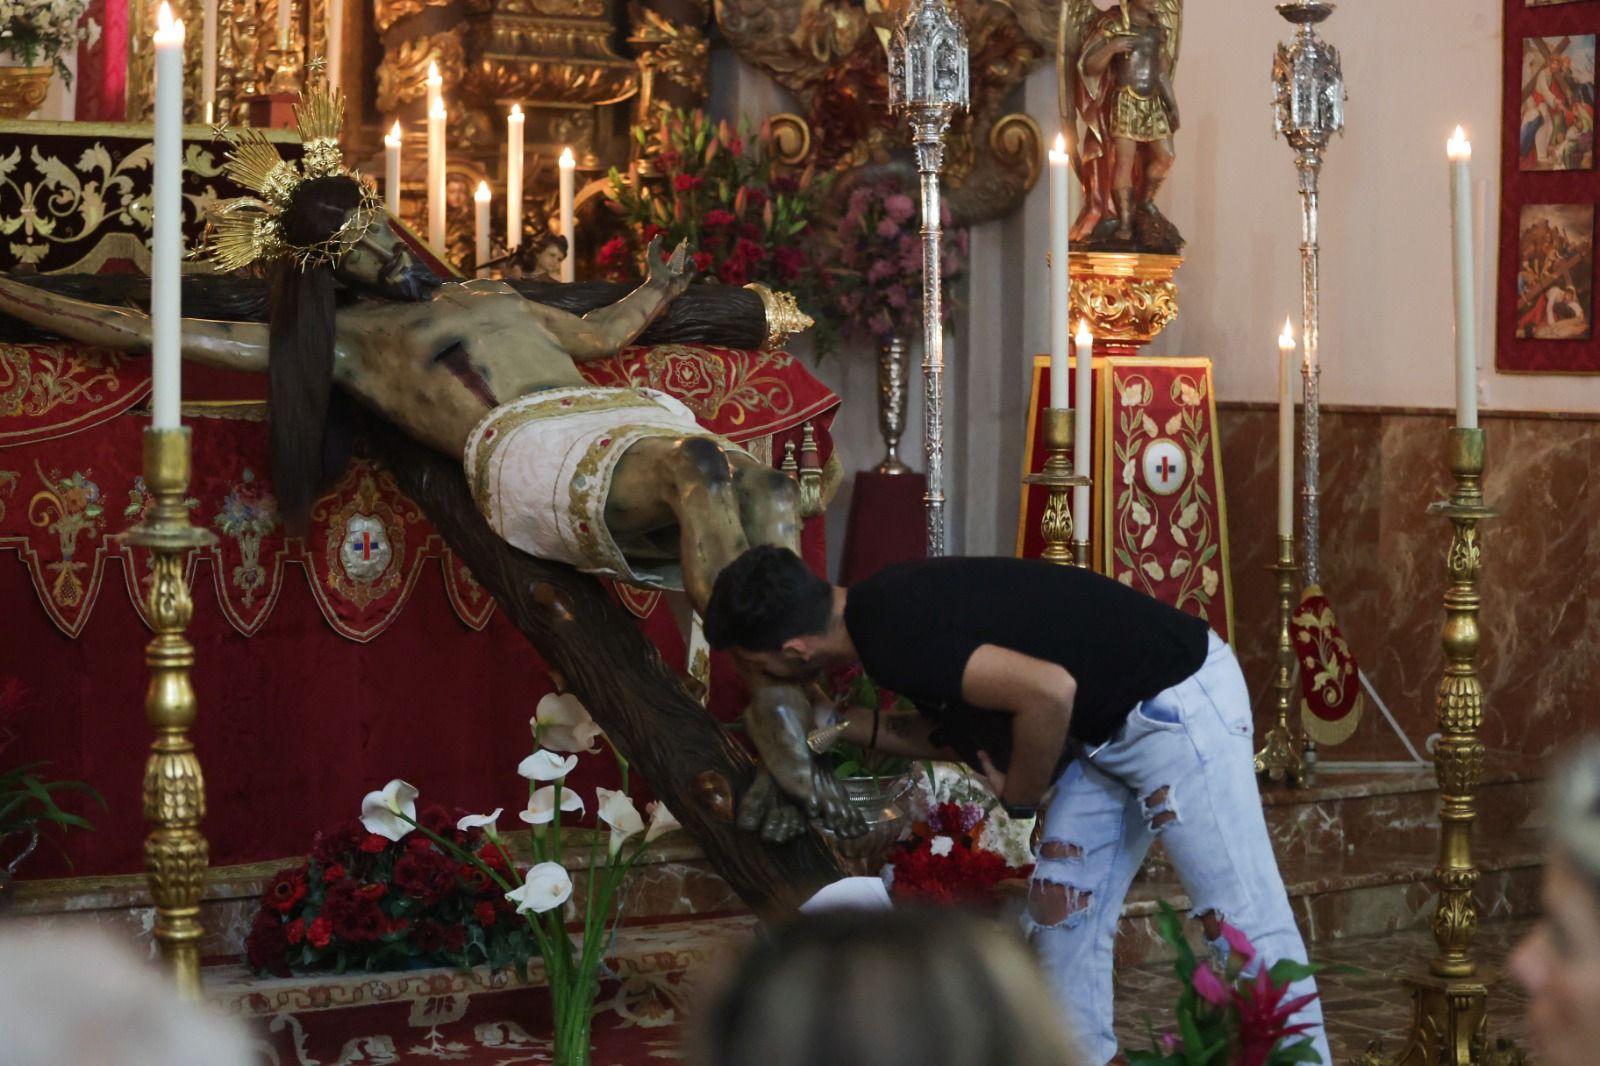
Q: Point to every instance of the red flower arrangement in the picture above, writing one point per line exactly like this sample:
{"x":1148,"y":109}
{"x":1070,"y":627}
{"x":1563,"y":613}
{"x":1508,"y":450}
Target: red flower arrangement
{"x":361,"y":901}
{"x":747,"y":217}
{"x":942,"y":862}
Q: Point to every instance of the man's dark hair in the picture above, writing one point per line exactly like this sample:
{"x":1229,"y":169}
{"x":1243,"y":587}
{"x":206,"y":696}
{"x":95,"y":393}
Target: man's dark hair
{"x":765,"y":597}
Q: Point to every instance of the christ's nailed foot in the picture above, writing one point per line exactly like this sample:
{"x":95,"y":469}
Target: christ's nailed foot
{"x":777,"y":722}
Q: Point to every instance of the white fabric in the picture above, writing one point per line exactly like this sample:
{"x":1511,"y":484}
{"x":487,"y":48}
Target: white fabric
{"x":541,"y":467}
{"x":850,"y":894}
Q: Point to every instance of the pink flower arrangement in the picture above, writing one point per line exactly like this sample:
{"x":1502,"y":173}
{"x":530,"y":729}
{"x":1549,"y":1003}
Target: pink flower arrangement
{"x":880,"y":262}
{"x":1225,"y":1018}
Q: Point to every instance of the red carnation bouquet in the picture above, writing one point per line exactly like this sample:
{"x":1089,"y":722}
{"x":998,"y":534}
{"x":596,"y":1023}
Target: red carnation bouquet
{"x":747,"y":217}
{"x":943,"y":863}
{"x":362,"y":901}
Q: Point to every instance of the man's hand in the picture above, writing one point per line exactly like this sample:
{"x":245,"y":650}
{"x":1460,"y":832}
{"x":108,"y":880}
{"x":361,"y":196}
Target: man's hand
{"x":993,"y":774}
{"x":673,"y":274}
{"x":1039,"y":696}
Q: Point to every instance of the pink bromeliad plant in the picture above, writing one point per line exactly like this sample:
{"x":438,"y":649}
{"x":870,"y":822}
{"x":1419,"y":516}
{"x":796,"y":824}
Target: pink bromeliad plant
{"x":1227,"y":1018}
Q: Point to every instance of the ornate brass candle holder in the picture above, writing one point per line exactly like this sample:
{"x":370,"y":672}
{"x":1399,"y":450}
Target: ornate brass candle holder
{"x":1058,"y":478}
{"x":175,"y":852}
{"x":1449,"y":999}
{"x":1278,"y":760}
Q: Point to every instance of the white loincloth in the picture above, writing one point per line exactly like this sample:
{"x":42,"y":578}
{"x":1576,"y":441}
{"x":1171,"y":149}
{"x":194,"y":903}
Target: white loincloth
{"x":540,"y":468}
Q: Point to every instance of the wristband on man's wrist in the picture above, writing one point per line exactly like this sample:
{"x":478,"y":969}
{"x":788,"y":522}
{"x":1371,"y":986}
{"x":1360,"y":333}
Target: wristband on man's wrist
{"x":873,"y":743}
{"x":1019,"y":810}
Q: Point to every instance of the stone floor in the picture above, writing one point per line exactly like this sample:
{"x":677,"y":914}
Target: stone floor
{"x":1361,"y":1009}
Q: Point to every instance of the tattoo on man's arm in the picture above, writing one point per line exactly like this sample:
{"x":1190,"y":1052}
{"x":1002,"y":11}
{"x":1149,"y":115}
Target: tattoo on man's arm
{"x":904,"y":726}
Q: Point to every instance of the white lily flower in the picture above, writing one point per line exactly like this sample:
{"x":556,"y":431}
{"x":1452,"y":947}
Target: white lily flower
{"x":941,"y":845}
{"x":381,"y":810}
{"x":617,"y":811}
{"x":546,"y":887}
{"x":662,"y":821}
{"x":561,"y":723}
{"x":481,"y":821}
{"x":545,"y":765}
{"x":542,"y":805}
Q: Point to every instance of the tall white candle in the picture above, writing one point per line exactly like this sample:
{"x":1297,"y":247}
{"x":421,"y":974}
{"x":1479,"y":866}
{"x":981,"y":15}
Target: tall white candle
{"x":208,"y":61}
{"x":569,"y":265}
{"x":283,"y":24}
{"x":514,"y":126}
{"x":1286,"y":456}
{"x":335,"y":43}
{"x":436,"y":159}
{"x":435,"y":85}
{"x":1083,"y":425}
{"x":391,"y":170}
{"x":1060,"y":293}
{"x":166,"y":208}
{"x":1460,"y":151}
{"x":480,"y":200}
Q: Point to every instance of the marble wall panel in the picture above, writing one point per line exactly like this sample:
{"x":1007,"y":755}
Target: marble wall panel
{"x":1383,"y":568}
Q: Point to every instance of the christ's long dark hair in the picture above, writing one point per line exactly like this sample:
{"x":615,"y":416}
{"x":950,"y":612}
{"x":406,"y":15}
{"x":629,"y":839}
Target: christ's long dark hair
{"x":300,"y":324}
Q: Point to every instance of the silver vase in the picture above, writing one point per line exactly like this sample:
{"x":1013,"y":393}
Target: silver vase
{"x":894,"y":370}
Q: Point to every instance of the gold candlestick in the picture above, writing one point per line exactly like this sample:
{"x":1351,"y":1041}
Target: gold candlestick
{"x":1278,"y":760}
{"x":1449,"y":1000}
{"x":175,"y":852}
{"x":1058,"y":478}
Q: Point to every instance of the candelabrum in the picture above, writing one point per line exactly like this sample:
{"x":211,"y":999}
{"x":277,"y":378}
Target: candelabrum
{"x":175,"y":852}
{"x":1059,"y":480}
{"x":928,"y":82}
{"x":1449,"y":999}
{"x":1310,"y":96}
{"x":1278,"y":760}
{"x":288,"y":59}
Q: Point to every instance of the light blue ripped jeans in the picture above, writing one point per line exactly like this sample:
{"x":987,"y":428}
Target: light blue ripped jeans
{"x":1183,"y":764}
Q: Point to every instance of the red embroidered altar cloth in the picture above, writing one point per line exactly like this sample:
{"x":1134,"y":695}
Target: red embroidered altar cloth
{"x":379,"y":656}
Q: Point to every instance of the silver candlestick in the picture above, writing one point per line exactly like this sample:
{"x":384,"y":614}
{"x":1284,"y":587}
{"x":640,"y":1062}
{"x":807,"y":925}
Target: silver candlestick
{"x":1310,"y":96}
{"x":928,"y":82}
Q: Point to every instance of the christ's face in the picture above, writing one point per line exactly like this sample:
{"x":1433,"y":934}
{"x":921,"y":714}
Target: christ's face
{"x":382,"y":263}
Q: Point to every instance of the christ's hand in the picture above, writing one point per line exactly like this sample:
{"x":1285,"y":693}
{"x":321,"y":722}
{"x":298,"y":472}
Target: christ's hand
{"x":673,"y":274}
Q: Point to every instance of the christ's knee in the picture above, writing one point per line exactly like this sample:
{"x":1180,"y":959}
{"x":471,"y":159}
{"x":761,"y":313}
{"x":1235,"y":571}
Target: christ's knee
{"x":700,"y":461}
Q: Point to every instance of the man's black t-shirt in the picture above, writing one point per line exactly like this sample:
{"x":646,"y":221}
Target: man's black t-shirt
{"x":915,"y":626}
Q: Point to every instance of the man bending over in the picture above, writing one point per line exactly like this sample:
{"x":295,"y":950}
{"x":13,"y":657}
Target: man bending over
{"x":1046,"y":676}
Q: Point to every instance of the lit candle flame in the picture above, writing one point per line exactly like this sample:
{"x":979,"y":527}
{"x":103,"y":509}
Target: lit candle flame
{"x":440,"y":113}
{"x":433,"y":72}
{"x":567,"y":159}
{"x":1084,"y":337}
{"x":483,"y":194}
{"x":393,"y":140}
{"x":1286,"y":338}
{"x":516,"y":112}
{"x":168,"y":29}
{"x":1459,"y":147}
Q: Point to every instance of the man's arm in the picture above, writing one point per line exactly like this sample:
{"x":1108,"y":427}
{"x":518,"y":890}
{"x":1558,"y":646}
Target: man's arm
{"x":904,"y":733}
{"x":1039,"y":695}
{"x":603,"y":332}
{"x":226,"y":345}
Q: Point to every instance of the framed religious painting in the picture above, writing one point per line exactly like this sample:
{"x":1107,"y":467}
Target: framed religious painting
{"x":1549,"y":189}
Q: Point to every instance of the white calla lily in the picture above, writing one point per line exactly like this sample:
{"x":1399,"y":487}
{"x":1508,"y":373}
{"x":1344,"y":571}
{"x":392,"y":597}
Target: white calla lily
{"x":545,"y":765}
{"x":617,"y":811}
{"x":546,"y":887}
{"x":542,"y":805}
{"x":381,"y":810}
{"x":662,"y":821}
{"x":481,"y":821}
{"x":561,"y":723}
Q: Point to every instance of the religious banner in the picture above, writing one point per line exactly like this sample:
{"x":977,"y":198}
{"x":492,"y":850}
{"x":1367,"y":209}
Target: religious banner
{"x":1548,"y":191}
{"x":1159,"y":521}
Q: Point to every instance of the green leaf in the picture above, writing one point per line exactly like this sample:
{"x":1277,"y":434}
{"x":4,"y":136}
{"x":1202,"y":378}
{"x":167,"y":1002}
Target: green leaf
{"x":1301,"y":1051}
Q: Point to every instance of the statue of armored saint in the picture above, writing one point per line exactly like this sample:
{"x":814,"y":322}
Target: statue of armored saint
{"x":621,"y":483}
{"x":1115,"y":70}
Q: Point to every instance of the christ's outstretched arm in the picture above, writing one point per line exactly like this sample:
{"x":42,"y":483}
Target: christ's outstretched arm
{"x":226,"y":345}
